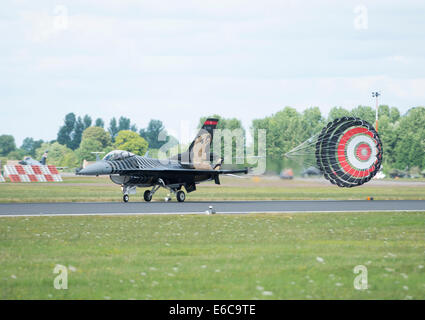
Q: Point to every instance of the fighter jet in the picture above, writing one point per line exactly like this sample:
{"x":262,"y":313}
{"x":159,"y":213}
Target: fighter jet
{"x":186,"y":170}
{"x":32,"y":162}
{"x":28,"y":161}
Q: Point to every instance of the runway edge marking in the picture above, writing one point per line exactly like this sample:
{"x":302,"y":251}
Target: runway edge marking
{"x":189,"y":213}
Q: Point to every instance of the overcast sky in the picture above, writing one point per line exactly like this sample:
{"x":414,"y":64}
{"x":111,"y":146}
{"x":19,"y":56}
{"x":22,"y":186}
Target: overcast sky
{"x":180,"y":60}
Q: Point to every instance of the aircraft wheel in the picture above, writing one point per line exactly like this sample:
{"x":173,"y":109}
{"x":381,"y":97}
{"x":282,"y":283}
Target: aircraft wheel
{"x":180,"y":196}
{"x":147,"y":196}
{"x":125,"y":198}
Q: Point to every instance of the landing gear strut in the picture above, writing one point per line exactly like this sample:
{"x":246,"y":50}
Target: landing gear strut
{"x":148,"y":194}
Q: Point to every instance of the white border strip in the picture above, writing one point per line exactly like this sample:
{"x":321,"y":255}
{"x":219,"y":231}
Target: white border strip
{"x":189,"y":213}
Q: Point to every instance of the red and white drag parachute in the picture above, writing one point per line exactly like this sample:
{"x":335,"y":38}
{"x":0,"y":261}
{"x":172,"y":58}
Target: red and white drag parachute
{"x":348,"y":151}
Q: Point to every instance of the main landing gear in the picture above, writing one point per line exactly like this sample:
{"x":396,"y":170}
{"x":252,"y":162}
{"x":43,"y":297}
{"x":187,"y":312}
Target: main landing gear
{"x":180,"y":195}
{"x":147,"y":195}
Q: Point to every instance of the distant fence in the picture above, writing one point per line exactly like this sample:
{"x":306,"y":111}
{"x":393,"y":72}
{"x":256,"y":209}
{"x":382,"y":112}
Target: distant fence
{"x":20,"y":173}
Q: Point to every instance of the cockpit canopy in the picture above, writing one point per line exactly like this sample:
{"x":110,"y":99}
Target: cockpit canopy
{"x":118,"y":155}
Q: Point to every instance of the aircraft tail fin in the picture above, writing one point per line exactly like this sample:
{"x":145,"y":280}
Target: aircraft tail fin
{"x":198,"y":153}
{"x":205,"y":134}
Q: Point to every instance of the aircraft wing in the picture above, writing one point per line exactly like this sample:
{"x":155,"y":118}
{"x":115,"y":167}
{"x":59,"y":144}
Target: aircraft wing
{"x":185,"y":174}
{"x":178,"y":171}
{"x":103,"y":168}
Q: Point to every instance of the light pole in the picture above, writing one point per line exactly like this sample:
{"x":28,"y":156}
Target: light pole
{"x":376,"y":94}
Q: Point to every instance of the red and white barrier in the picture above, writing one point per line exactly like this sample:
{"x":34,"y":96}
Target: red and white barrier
{"x":19,"y":173}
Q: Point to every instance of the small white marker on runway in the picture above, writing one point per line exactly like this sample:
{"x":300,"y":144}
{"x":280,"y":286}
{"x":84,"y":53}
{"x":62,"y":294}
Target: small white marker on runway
{"x":210,"y":210}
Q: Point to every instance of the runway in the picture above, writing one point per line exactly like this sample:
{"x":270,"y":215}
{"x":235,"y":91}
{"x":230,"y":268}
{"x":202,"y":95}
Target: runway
{"x":200,"y":207}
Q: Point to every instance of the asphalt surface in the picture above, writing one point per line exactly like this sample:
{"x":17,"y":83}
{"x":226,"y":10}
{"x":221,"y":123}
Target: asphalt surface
{"x":227,"y":207}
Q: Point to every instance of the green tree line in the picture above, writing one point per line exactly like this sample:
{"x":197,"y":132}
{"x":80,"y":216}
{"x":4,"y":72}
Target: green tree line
{"x":403,"y":136}
{"x":79,"y":136}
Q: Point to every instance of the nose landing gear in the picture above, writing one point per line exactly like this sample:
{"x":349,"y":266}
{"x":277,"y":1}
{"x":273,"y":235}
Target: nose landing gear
{"x":126,"y":190}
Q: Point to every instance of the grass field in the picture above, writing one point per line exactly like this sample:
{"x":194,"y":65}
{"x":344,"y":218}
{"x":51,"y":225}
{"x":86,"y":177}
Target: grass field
{"x":102,"y":189}
{"x":262,"y":256}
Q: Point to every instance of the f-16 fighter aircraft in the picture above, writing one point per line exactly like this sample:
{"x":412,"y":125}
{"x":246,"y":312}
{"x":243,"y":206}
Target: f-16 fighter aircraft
{"x":184,"y":170}
{"x":32,"y":162}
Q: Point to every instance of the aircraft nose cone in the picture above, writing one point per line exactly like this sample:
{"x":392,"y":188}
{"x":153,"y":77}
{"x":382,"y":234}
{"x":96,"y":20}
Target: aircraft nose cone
{"x":98,"y":168}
